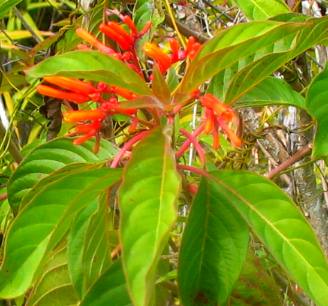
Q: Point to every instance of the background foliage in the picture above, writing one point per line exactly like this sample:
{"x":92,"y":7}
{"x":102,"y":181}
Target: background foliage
{"x":248,"y":227}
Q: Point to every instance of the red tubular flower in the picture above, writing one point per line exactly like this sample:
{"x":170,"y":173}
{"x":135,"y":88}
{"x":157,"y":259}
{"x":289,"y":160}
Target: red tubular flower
{"x":175,"y":47}
{"x":85,"y":137}
{"x":129,"y":22}
{"x":113,"y":107}
{"x":94,"y":42}
{"x":164,"y":60}
{"x":134,"y":31}
{"x":122,"y":92}
{"x":74,"y":85}
{"x":84,"y":115}
{"x":219,"y":108}
{"x":115,"y":32}
{"x":160,"y":57}
{"x":119,"y":91}
{"x":235,"y":140}
{"x":61,"y":94}
{"x":85,"y":128}
{"x":145,"y":29}
{"x":192,"y":47}
{"x":218,"y":115}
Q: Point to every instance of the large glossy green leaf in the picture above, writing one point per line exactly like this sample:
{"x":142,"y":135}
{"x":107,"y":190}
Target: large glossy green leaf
{"x":88,"y":246}
{"x":49,"y":157}
{"x":213,"y":249}
{"x":110,"y":289}
{"x":240,"y":44}
{"x":280,"y":225}
{"x":90,"y":65}
{"x":52,"y":205}
{"x":54,"y":286}
{"x":147,"y":197}
{"x":315,"y":32}
{"x":316,"y":103}
{"x":262,"y":9}
{"x":271,"y":91}
{"x":6,"y":5}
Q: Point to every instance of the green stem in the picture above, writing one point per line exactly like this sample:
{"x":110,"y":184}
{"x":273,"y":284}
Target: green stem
{"x":12,"y":147}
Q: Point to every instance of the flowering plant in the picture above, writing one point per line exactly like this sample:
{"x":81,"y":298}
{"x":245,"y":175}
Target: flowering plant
{"x":146,"y":201}
{"x":105,"y":96}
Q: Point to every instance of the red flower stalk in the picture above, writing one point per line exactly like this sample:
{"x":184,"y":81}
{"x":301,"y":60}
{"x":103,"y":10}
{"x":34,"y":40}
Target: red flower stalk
{"x":198,"y":147}
{"x":61,"y":94}
{"x":94,"y":42}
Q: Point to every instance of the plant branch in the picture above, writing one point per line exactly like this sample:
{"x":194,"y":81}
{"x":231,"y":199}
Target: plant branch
{"x":290,"y":161}
{"x":184,"y":30}
{"x":27,"y":26}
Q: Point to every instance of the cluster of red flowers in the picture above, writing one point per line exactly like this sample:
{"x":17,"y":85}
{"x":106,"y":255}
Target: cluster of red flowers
{"x":165,"y":61}
{"x":88,"y":123}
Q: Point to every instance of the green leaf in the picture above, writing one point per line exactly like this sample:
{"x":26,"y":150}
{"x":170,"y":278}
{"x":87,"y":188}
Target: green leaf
{"x":143,"y":102}
{"x":88,"y":246}
{"x":147,"y":197}
{"x":280,"y":225}
{"x":316,"y":103}
{"x":49,"y":157}
{"x":242,"y":43}
{"x":7,"y":5}
{"x":159,"y":86}
{"x":213,"y":249}
{"x":262,"y":9}
{"x":90,"y":65}
{"x":54,"y":286}
{"x":110,"y":289}
{"x":43,"y":221}
{"x":314,"y":32}
{"x":271,"y":91}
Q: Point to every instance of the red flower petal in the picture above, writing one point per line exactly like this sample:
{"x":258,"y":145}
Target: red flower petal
{"x":60,"y":94}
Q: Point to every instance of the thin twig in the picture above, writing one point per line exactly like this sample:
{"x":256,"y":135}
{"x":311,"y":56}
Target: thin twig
{"x":127,"y":146}
{"x":193,"y":169}
{"x":184,"y":30}
{"x":290,"y":161}
{"x":27,"y":26}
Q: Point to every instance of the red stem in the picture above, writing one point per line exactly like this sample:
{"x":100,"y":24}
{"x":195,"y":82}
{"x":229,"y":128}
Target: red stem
{"x":198,"y":147}
{"x":127,"y":146}
{"x":187,"y":143}
{"x":194,"y":170}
